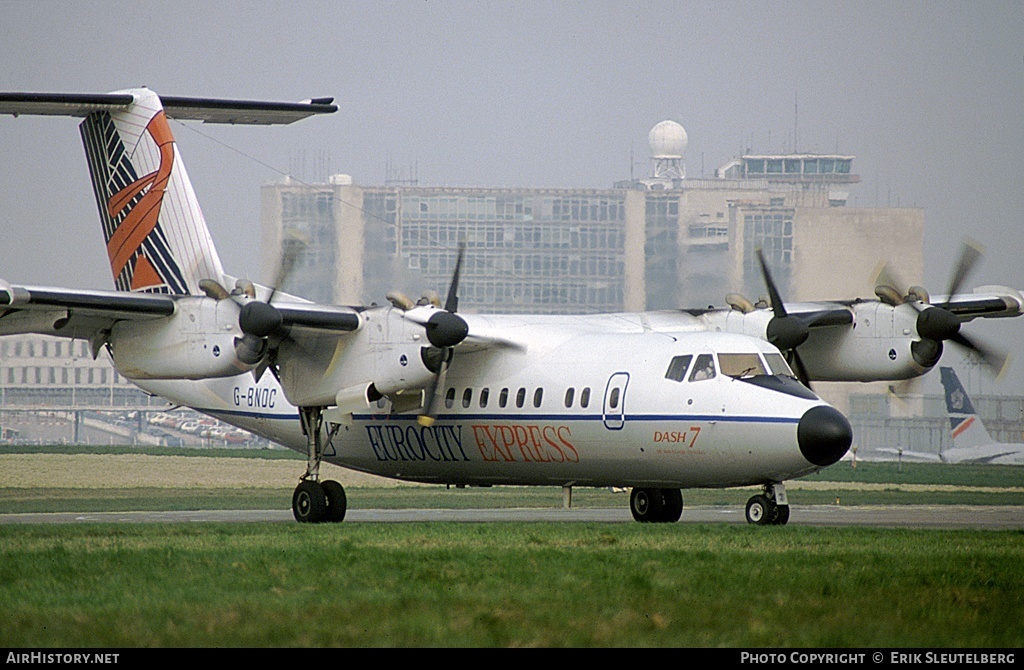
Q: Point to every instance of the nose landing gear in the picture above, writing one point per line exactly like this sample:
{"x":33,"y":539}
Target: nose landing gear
{"x":770,"y":508}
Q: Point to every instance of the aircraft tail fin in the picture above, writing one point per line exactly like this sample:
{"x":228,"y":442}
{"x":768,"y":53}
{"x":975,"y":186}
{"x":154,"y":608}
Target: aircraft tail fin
{"x":964,"y":423}
{"x":157,"y":239}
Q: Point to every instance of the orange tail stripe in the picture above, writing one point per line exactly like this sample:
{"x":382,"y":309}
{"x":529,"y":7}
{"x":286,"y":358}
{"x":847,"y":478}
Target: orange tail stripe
{"x":141,"y":221}
{"x":145,"y":275}
{"x":122,"y":197}
{"x":963,"y":426}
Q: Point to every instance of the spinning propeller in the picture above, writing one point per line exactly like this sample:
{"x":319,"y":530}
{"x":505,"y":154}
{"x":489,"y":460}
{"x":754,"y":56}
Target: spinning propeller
{"x":784,"y":331}
{"x":259,"y":320}
{"x":935,"y":322}
{"x":445,"y":329}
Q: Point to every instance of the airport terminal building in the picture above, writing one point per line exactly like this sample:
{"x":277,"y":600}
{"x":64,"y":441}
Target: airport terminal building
{"x":661,"y":242}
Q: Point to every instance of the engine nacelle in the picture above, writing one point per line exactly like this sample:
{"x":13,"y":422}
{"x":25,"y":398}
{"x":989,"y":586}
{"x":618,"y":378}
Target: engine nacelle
{"x":878,"y":347}
{"x":385,"y":353}
{"x":196,"y":342}
{"x":877,"y":343}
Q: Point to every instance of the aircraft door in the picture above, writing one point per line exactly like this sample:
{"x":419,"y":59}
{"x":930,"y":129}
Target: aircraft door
{"x":614,"y":411}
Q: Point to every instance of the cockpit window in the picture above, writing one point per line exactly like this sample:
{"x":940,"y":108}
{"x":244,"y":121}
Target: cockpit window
{"x":677,"y":368}
{"x":703,"y":369}
{"x":741,"y":365}
{"x":778,"y":365}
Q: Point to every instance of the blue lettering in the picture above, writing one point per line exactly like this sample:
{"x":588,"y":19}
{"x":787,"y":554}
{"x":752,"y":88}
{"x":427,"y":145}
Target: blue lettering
{"x":377,"y":442}
{"x":391,"y":443}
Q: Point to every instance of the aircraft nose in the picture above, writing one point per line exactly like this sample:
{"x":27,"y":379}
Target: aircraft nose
{"x":824,"y":435}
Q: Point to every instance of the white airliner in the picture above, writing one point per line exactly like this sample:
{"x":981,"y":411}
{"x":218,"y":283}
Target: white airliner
{"x":657,"y":401}
{"x":971,"y":440}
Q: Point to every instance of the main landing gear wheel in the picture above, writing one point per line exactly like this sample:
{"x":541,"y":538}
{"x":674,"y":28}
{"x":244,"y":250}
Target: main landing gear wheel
{"x":656,"y":505}
{"x":315,"y":501}
{"x":309,"y":504}
{"x":336,"y":503}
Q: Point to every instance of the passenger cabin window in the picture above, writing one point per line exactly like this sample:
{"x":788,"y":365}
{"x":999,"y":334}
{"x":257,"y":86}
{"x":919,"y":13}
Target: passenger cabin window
{"x":703,"y":368}
{"x":538,"y":397}
{"x":485,"y":393}
{"x":503,"y":398}
{"x":449,"y":398}
{"x":521,"y":397}
{"x":677,"y":368}
{"x":569,"y":394}
{"x":585,"y":398}
{"x":467,"y":397}
{"x":741,"y":365}
{"x":613,"y":398}
{"x":778,"y":365}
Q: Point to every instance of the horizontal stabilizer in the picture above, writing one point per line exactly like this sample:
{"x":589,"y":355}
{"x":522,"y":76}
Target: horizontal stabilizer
{"x":208,"y":110}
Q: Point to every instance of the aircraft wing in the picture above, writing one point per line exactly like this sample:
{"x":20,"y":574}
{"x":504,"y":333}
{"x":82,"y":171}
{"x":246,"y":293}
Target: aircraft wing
{"x":74,"y":313}
{"x":81,"y":313}
{"x":254,"y":112}
{"x":820,"y":314}
{"x":986,"y":301}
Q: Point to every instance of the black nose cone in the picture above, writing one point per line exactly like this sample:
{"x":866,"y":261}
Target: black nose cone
{"x":824,"y":435}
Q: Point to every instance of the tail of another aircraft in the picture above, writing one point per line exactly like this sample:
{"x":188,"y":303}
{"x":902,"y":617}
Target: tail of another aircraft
{"x":157,"y":239}
{"x":964,"y":422}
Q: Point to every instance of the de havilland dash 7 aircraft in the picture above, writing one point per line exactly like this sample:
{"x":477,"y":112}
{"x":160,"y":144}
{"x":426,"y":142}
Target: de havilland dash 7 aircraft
{"x":656,"y":402}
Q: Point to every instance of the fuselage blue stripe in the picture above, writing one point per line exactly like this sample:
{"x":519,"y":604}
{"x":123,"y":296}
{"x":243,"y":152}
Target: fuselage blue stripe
{"x":525,"y":417}
{"x":582,"y":417}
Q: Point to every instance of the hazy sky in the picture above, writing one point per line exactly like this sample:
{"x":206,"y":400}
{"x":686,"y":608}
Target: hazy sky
{"x":929,"y":97}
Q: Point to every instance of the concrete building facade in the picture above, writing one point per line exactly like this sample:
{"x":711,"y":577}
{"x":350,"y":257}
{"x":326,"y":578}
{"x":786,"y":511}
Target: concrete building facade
{"x":662,"y":242}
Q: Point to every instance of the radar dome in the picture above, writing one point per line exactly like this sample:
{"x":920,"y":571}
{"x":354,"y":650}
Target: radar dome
{"x":668,"y":140}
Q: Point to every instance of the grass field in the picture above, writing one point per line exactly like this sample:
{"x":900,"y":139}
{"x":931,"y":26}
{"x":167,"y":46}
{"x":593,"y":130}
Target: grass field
{"x":508,"y":585}
{"x":488,"y":585}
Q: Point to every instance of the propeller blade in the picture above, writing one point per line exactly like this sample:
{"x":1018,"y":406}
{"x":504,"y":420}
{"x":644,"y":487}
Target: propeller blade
{"x":969,"y":257}
{"x":990,"y":357}
{"x":292,"y":246}
{"x":445,"y":329}
{"x":886,"y":276}
{"x":778,"y":308}
{"x":798,"y":367}
{"x":451,"y":304}
{"x":434,"y":395}
{"x":784,"y":331}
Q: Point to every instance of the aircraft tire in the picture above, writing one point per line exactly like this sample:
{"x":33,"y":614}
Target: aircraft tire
{"x":673,"y":509}
{"x":781,"y":516}
{"x":759,"y":511}
{"x":336,"y":502}
{"x":646,"y":504}
{"x":309,"y":504}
